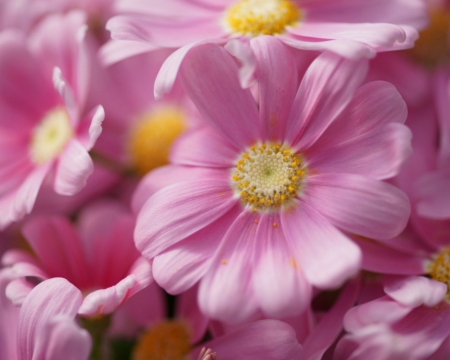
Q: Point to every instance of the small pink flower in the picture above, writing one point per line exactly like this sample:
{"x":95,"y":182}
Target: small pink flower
{"x":99,"y":257}
{"x":255,"y":208}
{"x":43,"y":132}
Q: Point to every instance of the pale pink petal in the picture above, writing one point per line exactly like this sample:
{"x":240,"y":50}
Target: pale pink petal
{"x":277,"y":80}
{"x":13,"y":256}
{"x":359,"y":205}
{"x":168,"y":175}
{"x":188,"y":311}
{"x":73,"y":168}
{"x":414,"y":291}
{"x":184,"y":263}
{"x":24,"y":269}
{"x":64,"y":339}
{"x":178,"y":211}
{"x":91,"y":127}
{"x":278,"y":279}
{"x":225,"y":291}
{"x":142,"y":272}
{"x":327,"y":87}
{"x":243,"y":52}
{"x":382,"y":259}
{"x":67,"y":95}
{"x":259,"y":340}
{"x":210,"y":77}
{"x":214,"y":152}
{"x":59,"y":248}
{"x":17,"y":291}
{"x":50,"y":298}
{"x":9,"y":315}
{"x":327,"y":257}
{"x":105,"y":301}
{"x":329,"y":327}
{"x":116,"y":50}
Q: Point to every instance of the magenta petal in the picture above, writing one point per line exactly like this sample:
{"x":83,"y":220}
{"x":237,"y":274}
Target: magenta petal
{"x":329,"y":327}
{"x":48,"y":299}
{"x":74,"y":167}
{"x":183,"y":264}
{"x":277,"y":79}
{"x":278,"y":280}
{"x":259,"y":340}
{"x":178,"y":211}
{"x":359,"y":205}
{"x":326,"y":89}
{"x":64,"y":339}
{"x":327,"y":257}
{"x":414,"y":291}
{"x":210,"y":77}
{"x":433,"y":192}
{"x":225,"y":291}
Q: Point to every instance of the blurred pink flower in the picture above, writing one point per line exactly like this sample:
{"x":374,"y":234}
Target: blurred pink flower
{"x":410,"y":322}
{"x":313,"y":154}
{"x":99,"y":258}
{"x":43,"y":132}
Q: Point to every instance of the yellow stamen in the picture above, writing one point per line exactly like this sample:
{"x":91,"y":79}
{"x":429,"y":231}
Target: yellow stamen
{"x":51,"y":136}
{"x":439,"y":269}
{"x":152,"y":137}
{"x":262,"y":17}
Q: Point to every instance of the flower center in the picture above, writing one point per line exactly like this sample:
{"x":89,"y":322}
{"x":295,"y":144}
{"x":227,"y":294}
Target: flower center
{"x":439,"y":269}
{"x":262,"y":17}
{"x":268,"y":176}
{"x":168,"y":340}
{"x":152,"y":137}
{"x":433,"y":45}
{"x":50,"y":136}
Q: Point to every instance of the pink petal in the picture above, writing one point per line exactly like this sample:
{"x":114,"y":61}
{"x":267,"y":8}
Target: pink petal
{"x":329,"y":327}
{"x":59,"y":248}
{"x":105,"y":301}
{"x":189,"y":312}
{"x":225,"y":291}
{"x":165,"y":176}
{"x":73,"y":168}
{"x":64,"y":339}
{"x":262,"y":340}
{"x":210,"y":77}
{"x":359,"y":205}
{"x":327,"y":257}
{"x":91,"y":127}
{"x":17,"y":291}
{"x":382,"y":259}
{"x":277,"y":80}
{"x":67,"y":95}
{"x":243,"y":52}
{"x":116,"y":50}
{"x":178,"y":211}
{"x":326,"y":89}
{"x":214,"y":152}
{"x":433,"y":192}
{"x":414,"y":291}
{"x":9,"y":315}
{"x":184,"y":263}
{"x":48,"y":299}
{"x":13,"y":256}
{"x":278,"y":280}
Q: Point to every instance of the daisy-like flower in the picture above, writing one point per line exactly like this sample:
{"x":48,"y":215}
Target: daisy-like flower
{"x":43,"y":129}
{"x":257,"y":207}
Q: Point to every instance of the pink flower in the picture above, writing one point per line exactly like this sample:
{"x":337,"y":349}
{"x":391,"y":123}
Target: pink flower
{"x":99,"y":257}
{"x":43,"y":132}
{"x":410,"y":322}
{"x":255,"y":208}
{"x":349,"y":28}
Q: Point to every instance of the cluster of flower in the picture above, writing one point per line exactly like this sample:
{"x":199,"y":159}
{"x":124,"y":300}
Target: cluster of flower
{"x":286,"y":196}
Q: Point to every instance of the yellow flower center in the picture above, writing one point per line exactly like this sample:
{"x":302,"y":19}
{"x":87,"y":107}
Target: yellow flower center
{"x":433,"y":46}
{"x":439,"y":269}
{"x":261,"y":17}
{"x":268,"y":176}
{"x":50,"y":136}
{"x":168,"y":340}
{"x":152,"y":137}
